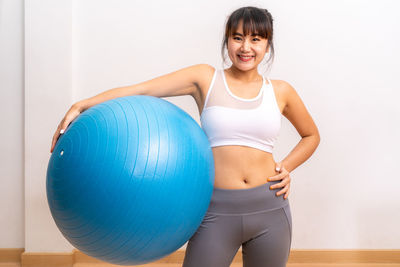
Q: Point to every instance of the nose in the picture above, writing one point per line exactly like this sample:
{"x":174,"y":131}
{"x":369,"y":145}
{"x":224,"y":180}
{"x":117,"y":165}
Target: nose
{"x":245,"y":45}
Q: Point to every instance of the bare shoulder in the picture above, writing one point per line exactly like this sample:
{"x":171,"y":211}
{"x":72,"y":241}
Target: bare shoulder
{"x":295,"y":110}
{"x":205,"y":68}
{"x":283,"y":91}
{"x":203,"y":74}
{"x":282,"y":87}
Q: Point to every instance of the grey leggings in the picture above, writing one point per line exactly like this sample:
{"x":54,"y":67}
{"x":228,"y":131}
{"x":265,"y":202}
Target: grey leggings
{"x":253,"y":218}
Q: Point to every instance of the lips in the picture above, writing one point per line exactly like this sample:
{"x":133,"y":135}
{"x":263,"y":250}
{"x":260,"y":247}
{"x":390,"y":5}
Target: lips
{"x":245,"y":58}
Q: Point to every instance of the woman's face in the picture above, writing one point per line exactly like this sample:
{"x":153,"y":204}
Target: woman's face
{"x":246,"y":52}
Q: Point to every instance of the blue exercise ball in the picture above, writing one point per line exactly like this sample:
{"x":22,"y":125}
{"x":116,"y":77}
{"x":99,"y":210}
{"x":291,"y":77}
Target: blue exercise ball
{"x":130,"y":180}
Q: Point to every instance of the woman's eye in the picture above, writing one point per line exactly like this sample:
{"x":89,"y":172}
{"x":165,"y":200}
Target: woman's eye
{"x":238,"y":38}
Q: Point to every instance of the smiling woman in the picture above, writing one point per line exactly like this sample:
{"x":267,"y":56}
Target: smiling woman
{"x":239,"y":45}
{"x":241,"y":114}
{"x":252,"y":24}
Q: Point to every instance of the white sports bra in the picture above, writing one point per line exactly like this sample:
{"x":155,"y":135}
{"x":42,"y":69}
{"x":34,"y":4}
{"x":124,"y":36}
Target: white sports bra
{"x":231,"y":120}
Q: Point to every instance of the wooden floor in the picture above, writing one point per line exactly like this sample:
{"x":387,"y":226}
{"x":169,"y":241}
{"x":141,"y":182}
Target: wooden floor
{"x":233,"y":265}
{"x":240,"y":265}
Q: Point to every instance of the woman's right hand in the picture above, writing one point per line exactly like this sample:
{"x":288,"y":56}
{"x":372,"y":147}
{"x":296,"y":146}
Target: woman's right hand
{"x":71,"y":114}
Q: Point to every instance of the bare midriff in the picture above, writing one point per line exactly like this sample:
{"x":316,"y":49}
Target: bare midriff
{"x":241,"y":167}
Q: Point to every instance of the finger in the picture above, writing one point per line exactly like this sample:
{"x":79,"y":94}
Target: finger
{"x":54,"y":139}
{"x":278,"y":167}
{"x":52,"y":146}
{"x":285,"y":181}
{"x":57,"y":134}
{"x":278,"y":185}
{"x":277,"y":177}
{"x":287,"y":194}
{"x":64,"y":125}
{"x":285,"y":189}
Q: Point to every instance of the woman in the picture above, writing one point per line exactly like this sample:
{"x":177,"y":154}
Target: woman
{"x":241,"y":115}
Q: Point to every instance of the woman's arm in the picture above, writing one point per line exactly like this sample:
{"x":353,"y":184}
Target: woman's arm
{"x":296,"y":112}
{"x":181,"y":82}
{"x":185,"y":81}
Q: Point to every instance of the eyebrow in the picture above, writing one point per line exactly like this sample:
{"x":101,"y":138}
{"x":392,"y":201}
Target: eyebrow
{"x":254,"y":34}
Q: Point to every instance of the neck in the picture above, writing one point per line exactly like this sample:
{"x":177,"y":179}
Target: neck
{"x":245,"y":76}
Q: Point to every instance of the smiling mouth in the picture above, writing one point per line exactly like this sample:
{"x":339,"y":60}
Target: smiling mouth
{"x":245,"y":58}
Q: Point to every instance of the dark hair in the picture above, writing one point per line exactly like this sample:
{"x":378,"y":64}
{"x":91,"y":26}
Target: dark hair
{"x":254,"y":20}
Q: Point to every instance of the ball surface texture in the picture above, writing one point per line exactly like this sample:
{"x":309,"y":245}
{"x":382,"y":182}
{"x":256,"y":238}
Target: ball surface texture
{"x":130,"y":180}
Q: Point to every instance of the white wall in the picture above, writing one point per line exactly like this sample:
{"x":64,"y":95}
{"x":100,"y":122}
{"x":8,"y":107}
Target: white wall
{"x":341,"y":56}
{"x":11,"y":125}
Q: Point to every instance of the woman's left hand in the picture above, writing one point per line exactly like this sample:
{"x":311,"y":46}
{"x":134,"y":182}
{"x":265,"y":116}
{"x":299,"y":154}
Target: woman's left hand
{"x":284,"y":176}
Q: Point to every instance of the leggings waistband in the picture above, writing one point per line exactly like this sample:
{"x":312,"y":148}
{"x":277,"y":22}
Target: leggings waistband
{"x":250,"y":200}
